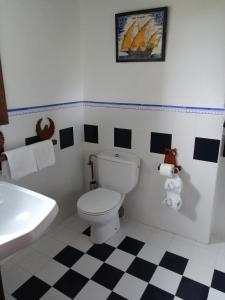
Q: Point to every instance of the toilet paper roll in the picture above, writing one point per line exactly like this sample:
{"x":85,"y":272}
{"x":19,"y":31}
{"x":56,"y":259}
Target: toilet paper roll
{"x":166,"y":170}
{"x":173,"y":201}
{"x":174,"y":185}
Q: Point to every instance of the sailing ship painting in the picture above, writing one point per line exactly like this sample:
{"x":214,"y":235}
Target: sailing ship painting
{"x":141,"y":35}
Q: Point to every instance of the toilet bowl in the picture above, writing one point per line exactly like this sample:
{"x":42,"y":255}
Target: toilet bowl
{"x":99,"y":208}
{"x":117,"y":174}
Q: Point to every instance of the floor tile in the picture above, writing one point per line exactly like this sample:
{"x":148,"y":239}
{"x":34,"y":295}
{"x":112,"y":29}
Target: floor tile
{"x":120,"y":259}
{"x":181,"y":246}
{"x":117,"y":238}
{"x":114,"y":296}
{"x":52,"y":272}
{"x":161,"y":239}
{"x":142,"y":269}
{"x":93,"y":291}
{"x":68,"y":256}
{"x":71,"y":283}
{"x":14,"y":278}
{"x":218,"y":281}
{"x":174,"y":262}
{"x":141,"y":232}
{"x":152,"y":253}
{"x":215,"y":295}
{"x":87,"y":265}
{"x":220,"y":263}
{"x":33,"y":261}
{"x":6,"y":265}
{"x":21,"y":255}
{"x":130,"y":287}
{"x":80,"y":241}
{"x":199,"y":273}
{"x":87,"y":231}
{"x":107,"y":276}
{"x":126,"y":225}
{"x":131,"y":245}
{"x":9,"y":297}
{"x":33,"y":289}
{"x":73,"y":238}
{"x":75,"y":223}
{"x":213,"y":247}
{"x":102,"y":251}
{"x":48,"y":246}
{"x":190,"y":289}
{"x":138,"y":262}
{"x":53,"y":294}
{"x":166,"y":280}
{"x":203,"y":256}
{"x":154,"y":293}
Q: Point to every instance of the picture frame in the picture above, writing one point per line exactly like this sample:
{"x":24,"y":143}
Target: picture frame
{"x":141,"y":35}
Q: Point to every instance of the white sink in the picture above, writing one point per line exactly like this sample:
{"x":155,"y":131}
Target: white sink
{"x":24,"y":216}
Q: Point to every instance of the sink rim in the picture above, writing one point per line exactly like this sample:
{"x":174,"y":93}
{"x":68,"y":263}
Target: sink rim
{"x":12,"y":242}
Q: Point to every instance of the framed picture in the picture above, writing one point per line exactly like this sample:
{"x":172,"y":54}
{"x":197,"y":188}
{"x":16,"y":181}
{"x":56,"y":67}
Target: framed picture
{"x":141,"y":35}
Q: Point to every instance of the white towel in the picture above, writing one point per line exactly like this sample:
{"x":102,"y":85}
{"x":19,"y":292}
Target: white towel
{"x":21,"y":162}
{"x":44,"y":154}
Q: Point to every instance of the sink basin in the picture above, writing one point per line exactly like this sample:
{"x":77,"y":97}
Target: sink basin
{"x":24,"y":216}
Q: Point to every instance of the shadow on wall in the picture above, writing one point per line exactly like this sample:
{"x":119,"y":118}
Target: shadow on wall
{"x":190,"y":196}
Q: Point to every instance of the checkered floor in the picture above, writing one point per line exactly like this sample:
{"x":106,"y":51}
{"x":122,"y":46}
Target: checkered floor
{"x":139,"y":262}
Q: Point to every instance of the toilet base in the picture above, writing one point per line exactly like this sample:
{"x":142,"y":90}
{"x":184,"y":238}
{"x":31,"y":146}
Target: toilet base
{"x":100,"y":233}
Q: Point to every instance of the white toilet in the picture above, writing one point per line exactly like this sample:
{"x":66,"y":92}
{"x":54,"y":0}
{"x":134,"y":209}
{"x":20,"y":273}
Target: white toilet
{"x":118,"y":174}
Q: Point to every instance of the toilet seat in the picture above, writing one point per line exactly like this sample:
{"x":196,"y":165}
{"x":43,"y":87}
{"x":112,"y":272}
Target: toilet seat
{"x":99,"y":201}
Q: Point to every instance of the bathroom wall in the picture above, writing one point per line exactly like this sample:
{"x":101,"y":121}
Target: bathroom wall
{"x":192,"y":75}
{"x":40,"y":48}
{"x":57,"y":52}
{"x":219,"y":205}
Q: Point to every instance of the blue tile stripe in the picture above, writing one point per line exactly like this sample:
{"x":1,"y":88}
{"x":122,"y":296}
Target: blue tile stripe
{"x":121,"y":105}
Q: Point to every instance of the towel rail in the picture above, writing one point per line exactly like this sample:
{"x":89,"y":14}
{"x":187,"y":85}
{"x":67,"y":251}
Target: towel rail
{"x":44,"y":134}
{"x":3,"y":156}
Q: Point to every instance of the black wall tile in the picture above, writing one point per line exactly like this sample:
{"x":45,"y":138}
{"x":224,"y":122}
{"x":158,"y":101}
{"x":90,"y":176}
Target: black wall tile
{"x":66,"y":137}
{"x":206,"y":149}
{"x":32,"y":140}
{"x":91,"y":133}
{"x":223,"y":146}
{"x":122,"y":138}
{"x":160,"y":141}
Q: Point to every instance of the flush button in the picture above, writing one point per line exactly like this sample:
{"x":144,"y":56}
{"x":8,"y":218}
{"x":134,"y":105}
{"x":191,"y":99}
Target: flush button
{"x":117,"y":155}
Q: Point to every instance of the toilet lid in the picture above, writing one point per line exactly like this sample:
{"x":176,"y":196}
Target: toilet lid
{"x":98,"y":201}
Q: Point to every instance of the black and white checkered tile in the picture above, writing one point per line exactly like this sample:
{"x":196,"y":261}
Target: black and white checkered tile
{"x":110,"y":272}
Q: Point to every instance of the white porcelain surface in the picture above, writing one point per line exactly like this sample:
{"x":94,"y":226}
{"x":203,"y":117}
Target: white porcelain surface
{"x":24,"y":216}
{"x":99,"y":201}
{"x":117,"y":170}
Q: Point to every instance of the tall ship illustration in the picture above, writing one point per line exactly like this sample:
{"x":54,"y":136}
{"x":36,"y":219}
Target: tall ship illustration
{"x":140,"y":40}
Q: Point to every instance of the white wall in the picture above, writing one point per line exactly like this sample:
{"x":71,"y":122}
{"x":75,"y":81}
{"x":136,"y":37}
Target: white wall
{"x":40,"y":53}
{"x":219,"y":205}
{"x":199,"y":177}
{"x":193,"y":73}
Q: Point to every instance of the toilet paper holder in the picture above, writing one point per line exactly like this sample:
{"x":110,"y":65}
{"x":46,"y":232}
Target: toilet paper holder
{"x":170,"y":158}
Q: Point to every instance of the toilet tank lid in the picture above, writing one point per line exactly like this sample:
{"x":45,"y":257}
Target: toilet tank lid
{"x":119,"y":157}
